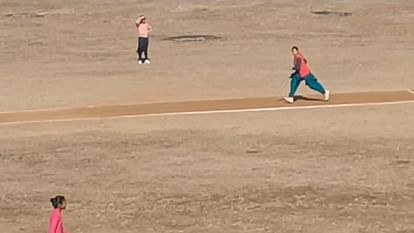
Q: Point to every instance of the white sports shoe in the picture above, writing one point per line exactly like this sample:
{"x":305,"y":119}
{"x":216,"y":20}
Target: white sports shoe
{"x":327,"y":95}
{"x":139,"y":62}
{"x":147,"y":61}
{"x":289,"y":99}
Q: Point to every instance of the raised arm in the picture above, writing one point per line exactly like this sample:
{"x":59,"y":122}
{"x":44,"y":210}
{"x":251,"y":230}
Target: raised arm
{"x":139,"y":20}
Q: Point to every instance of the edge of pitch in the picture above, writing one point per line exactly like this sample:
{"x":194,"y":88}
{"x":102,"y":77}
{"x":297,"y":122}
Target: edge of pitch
{"x":411,"y":91}
{"x":272,"y":109}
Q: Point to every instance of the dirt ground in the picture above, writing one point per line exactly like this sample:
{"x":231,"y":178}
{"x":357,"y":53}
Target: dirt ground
{"x":83,"y":52}
{"x":314,"y":170}
{"x":331,"y":170}
{"x":208,"y":107}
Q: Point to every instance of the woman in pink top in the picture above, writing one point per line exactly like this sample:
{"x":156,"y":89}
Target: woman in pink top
{"x":143,"y":31}
{"x":55,"y":222}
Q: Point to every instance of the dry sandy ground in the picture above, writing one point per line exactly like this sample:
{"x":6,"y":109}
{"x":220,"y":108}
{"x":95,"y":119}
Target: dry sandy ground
{"x":331,"y":170}
{"x":208,"y":107}
{"x":82,"y":52}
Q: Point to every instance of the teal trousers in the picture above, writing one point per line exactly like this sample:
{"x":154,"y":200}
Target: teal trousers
{"x":310,"y":81}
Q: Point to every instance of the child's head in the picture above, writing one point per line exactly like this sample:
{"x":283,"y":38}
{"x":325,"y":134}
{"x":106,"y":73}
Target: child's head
{"x":58,"y":202}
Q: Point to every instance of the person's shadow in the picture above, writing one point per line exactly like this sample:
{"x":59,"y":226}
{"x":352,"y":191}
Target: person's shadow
{"x":301,"y":97}
{"x":304,"y":98}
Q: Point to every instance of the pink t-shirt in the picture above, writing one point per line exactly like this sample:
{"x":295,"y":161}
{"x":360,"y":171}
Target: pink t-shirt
{"x":143,"y":29}
{"x":55,"y":222}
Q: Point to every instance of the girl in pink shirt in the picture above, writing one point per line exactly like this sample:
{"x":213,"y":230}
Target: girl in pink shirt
{"x":143,"y":31}
{"x":55,"y":222}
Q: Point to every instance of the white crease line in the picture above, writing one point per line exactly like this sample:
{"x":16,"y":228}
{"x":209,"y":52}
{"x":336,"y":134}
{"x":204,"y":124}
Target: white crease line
{"x":411,"y":91}
{"x":214,"y":112}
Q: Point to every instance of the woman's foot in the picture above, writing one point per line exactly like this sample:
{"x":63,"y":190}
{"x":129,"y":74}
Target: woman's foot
{"x":327,"y":95}
{"x":289,"y":99}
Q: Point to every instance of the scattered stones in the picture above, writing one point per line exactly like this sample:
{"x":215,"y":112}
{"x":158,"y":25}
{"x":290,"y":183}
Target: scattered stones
{"x":192,"y":38}
{"x":332,"y":13}
{"x":24,"y":13}
{"x":40,"y":14}
{"x":10,"y":14}
{"x":403,"y":161}
{"x":39,"y":43}
{"x":252,"y":151}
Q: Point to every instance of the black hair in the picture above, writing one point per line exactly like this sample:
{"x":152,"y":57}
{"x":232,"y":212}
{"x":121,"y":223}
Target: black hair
{"x":295,"y":48}
{"x":56,"y":201}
